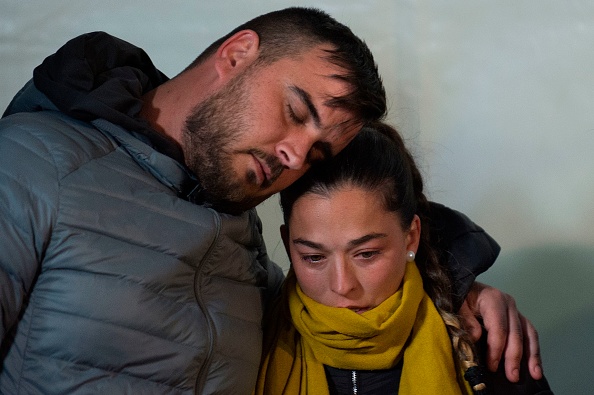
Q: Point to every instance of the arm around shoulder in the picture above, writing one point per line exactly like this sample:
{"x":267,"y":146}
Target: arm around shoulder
{"x":470,"y":250}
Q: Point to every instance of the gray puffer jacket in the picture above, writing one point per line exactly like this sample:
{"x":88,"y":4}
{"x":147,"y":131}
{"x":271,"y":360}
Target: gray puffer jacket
{"x":111,"y":281}
{"x":115,"y":276}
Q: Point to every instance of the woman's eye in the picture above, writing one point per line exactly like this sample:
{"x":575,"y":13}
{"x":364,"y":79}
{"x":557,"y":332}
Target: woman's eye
{"x":368,"y":254}
{"x":313,"y":258}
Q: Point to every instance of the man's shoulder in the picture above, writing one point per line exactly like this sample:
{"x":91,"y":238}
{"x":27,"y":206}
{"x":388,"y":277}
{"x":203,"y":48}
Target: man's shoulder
{"x":52,"y":137}
{"x":49,"y":144}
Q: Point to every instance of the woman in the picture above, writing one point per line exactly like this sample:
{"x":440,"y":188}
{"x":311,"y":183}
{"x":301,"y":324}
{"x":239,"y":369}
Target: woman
{"x":366,"y":306}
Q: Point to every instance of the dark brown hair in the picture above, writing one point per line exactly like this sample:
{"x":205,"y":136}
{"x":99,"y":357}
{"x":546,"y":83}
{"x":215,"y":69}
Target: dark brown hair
{"x":377,"y":160}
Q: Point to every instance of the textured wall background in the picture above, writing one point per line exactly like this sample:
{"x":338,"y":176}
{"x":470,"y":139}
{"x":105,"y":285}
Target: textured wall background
{"x":494,"y":98}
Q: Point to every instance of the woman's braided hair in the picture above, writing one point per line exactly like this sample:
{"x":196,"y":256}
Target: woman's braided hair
{"x":377,"y":159}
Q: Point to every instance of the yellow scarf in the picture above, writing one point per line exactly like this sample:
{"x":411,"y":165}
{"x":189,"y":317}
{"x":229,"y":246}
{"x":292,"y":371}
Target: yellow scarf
{"x":303,"y":335}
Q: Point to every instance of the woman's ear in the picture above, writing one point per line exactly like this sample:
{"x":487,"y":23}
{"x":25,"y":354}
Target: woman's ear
{"x":413,"y":236}
{"x":236,"y":53}
{"x":284,"y":231}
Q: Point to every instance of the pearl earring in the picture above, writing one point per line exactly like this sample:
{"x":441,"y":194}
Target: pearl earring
{"x":410,"y":256}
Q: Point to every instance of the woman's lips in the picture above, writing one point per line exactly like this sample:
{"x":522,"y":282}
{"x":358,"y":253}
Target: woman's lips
{"x":359,"y":310}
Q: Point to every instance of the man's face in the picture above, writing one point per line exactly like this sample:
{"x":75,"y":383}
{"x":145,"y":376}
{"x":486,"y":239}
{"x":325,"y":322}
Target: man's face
{"x":263,"y":129}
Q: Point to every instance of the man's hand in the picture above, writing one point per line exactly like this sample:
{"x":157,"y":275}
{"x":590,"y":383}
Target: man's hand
{"x":509,"y":333}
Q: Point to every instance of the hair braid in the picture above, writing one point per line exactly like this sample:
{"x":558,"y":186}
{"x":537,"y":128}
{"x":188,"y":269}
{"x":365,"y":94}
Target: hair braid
{"x":436,"y":280}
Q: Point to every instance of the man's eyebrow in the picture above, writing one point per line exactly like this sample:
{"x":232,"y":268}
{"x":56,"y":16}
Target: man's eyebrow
{"x":306,"y":99}
{"x":366,"y":238}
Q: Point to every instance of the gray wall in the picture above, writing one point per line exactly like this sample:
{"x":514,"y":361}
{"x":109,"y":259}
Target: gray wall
{"x":494,"y":98}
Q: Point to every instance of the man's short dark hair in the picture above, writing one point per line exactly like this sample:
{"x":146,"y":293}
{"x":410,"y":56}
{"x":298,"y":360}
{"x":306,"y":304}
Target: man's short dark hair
{"x":292,"y":31}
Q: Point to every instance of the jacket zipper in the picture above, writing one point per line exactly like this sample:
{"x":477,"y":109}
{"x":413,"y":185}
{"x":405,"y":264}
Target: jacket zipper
{"x":201,"y":377}
{"x":354,"y":381}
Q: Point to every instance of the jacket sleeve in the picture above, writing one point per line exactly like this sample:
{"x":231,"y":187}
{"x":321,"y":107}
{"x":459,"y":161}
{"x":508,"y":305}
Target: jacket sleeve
{"x":468,"y":249}
{"x":28,"y":183}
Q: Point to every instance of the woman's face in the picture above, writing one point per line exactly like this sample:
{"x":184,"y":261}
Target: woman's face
{"x":346,"y":249}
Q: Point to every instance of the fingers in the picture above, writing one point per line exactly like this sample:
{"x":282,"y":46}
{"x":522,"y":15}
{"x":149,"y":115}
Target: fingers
{"x":504,"y":330}
{"x":509,"y":334}
{"x":532,"y":348}
{"x":492,"y":306}
{"x":514,"y":348}
{"x":470,"y":323}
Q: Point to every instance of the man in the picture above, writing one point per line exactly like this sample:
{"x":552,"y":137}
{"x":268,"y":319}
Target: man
{"x":131,"y":259}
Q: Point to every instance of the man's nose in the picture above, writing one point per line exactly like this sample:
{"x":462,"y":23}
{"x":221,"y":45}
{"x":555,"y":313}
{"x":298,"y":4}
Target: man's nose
{"x":294,"y":150}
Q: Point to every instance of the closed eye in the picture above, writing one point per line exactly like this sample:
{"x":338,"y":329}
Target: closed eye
{"x":293,"y":116}
{"x":305,"y":98}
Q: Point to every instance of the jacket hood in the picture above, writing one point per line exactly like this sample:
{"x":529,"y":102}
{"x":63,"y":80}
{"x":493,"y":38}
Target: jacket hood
{"x":98,"y":76}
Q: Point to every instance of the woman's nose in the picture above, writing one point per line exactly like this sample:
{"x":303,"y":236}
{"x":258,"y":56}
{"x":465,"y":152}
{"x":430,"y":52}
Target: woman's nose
{"x":343,"y":279}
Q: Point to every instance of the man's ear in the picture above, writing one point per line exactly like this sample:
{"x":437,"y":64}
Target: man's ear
{"x":237,"y":52}
{"x":284,"y":231}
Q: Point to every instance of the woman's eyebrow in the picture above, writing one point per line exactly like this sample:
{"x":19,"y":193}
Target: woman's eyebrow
{"x":351,"y":243}
{"x":366,"y":238}
{"x":308,"y":243}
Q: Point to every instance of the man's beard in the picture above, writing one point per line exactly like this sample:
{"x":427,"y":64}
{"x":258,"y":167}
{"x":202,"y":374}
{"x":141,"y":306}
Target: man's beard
{"x":209,"y":131}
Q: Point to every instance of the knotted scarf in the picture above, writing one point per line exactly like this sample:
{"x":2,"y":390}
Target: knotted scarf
{"x":303,"y":335}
